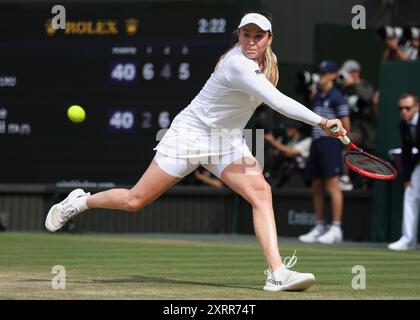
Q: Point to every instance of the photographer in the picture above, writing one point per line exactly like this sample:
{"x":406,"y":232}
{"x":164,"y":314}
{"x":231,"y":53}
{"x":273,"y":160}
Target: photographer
{"x":293,"y":151}
{"x":402,"y":45}
{"x":358,"y":94}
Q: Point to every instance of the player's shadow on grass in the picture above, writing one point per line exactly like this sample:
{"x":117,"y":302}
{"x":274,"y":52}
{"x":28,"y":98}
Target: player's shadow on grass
{"x":144,"y":279}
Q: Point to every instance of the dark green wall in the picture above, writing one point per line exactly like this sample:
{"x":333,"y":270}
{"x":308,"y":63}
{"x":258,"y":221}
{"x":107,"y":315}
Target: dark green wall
{"x":340,"y":43}
{"x":395,"y":78}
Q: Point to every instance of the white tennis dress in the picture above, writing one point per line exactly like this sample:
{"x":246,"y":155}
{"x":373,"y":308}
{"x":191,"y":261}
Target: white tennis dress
{"x":209,"y":131}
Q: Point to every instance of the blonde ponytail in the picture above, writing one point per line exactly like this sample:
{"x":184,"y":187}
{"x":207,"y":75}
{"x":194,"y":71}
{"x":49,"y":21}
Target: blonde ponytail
{"x":271,"y":71}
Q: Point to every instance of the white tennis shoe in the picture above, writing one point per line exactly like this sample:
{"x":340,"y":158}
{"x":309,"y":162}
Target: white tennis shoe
{"x":62,"y":212}
{"x":284,"y":279}
{"x":333,"y":235}
{"x":402,"y":244}
{"x":312,"y":236}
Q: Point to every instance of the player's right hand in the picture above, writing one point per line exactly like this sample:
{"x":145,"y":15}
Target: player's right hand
{"x":327,"y":124}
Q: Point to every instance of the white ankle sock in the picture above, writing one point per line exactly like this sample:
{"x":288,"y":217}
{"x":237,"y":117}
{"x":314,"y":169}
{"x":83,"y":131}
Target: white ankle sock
{"x":336,"y":224}
{"x":320,"y":225}
{"x":80,"y":203}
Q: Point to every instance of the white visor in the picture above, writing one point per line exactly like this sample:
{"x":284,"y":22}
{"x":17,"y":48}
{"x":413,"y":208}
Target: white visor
{"x":257,"y":19}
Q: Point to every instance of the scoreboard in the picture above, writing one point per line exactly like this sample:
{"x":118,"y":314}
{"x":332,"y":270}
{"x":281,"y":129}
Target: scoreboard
{"x":131,"y":66}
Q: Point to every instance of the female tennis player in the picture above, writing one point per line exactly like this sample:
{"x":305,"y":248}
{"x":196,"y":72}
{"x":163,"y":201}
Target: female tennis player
{"x":208,"y":132}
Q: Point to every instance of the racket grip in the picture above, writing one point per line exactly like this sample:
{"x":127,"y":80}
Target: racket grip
{"x":346,"y":139}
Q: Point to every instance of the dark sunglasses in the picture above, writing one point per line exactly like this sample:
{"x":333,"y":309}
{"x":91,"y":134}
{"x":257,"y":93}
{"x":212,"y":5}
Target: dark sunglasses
{"x":408,"y":108}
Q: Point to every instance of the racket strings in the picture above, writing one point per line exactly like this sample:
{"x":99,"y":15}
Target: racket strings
{"x":368,"y":164}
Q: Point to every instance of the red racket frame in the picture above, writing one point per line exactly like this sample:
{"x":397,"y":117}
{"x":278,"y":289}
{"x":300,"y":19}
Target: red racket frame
{"x":352,"y":146}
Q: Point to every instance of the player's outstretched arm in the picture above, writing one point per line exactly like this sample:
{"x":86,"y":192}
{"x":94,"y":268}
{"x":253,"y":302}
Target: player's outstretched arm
{"x":244,"y":75}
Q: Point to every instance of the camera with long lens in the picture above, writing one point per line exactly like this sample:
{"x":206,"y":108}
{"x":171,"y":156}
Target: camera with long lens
{"x":400,"y":33}
{"x":407,"y":38}
{"x":342,"y":77}
{"x":411,"y":33}
{"x":390,"y":32}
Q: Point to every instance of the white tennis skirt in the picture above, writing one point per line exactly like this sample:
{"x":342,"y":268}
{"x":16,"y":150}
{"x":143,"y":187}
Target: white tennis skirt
{"x":189,"y":143}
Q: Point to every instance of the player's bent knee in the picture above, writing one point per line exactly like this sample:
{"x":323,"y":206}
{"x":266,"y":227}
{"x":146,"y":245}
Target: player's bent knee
{"x":260,"y":195}
{"x":135,"y":202}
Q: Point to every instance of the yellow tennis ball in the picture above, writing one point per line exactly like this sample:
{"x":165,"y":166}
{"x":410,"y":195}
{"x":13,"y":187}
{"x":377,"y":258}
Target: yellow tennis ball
{"x":76,"y":113}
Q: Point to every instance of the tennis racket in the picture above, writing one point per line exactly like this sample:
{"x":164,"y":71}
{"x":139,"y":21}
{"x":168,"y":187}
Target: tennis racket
{"x":365,"y":163}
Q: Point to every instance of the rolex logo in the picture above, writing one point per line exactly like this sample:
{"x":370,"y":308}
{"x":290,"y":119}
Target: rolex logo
{"x":86,"y":27}
{"x":131,"y":26}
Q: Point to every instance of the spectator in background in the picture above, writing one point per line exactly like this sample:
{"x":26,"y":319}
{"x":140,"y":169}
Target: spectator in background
{"x":410,"y":133}
{"x":325,"y":164}
{"x":358,"y":94}
{"x":357,"y":90}
{"x":294,"y":153}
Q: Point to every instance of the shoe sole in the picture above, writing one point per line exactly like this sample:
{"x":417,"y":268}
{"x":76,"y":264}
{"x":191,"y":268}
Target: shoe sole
{"x":401,"y":249}
{"x":295,"y":286}
{"x":48,"y":223}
